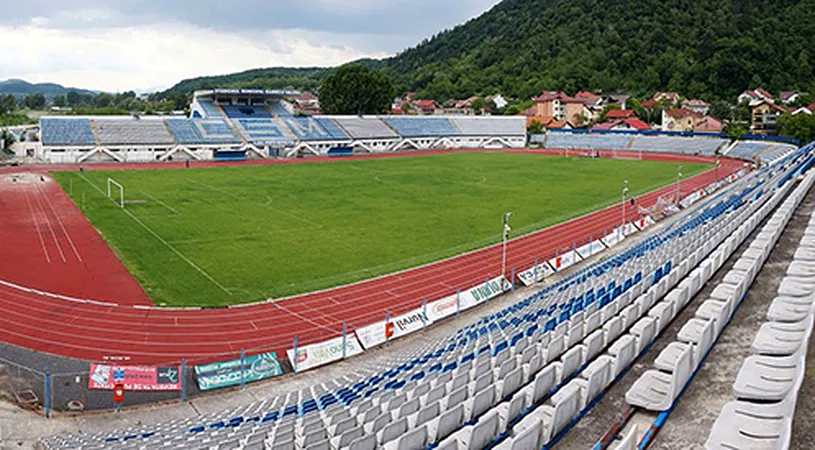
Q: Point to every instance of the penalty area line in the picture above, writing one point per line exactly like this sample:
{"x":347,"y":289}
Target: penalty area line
{"x":163,"y":241}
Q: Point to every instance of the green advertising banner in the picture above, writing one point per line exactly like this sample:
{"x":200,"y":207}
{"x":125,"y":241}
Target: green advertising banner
{"x":228,"y":373}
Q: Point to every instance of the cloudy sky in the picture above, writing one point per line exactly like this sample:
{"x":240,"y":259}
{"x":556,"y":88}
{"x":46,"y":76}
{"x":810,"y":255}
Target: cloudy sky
{"x":118,"y":45}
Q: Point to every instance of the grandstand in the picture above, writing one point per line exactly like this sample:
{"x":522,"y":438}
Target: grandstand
{"x":522,"y":377}
{"x":691,"y":146}
{"x":766,"y":152}
{"x":202,"y":131}
{"x":132,"y":131}
{"x":587,"y":141}
{"x":259,"y":123}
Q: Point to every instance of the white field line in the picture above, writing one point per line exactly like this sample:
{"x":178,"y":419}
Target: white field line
{"x":175,"y":211}
{"x":268,"y":206}
{"x":37,"y":227}
{"x":167,"y":244}
{"x":50,"y":228}
{"x":59,"y":221}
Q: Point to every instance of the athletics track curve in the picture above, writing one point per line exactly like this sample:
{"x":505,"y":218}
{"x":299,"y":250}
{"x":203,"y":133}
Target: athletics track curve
{"x":131,"y":330}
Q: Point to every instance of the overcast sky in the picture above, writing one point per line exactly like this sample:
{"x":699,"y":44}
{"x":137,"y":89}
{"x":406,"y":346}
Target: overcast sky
{"x":118,"y":45}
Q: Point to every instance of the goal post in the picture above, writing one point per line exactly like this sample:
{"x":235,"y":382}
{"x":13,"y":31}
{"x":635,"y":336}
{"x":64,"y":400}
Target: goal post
{"x":111,"y":184}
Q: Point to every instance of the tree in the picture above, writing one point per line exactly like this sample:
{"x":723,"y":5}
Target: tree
{"x":801,"y":127}
{"x":7,"y":104}
{"x":6,"y":141}
{"x":536,"y":128}
{"x":73,"y":98}
{"x":721,"y":110}
{"x":103,"y":100}
{"x":60,"y":101}
{"x":735,"y":131}
{"x":35,"y":101}
{"x":355,"y":89}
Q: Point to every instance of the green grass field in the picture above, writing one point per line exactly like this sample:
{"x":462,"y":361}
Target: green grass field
{"x":219,"y":236}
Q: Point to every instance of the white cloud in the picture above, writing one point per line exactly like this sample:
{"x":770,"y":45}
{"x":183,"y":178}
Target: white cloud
{"x":157,"y":56}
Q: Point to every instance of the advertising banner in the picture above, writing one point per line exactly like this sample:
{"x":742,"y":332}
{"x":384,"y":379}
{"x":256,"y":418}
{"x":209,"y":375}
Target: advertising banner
{"x":315,"y":355}
{"x":565,"y":260}
{"x":380,"y":332}
{"x":135,"y":378}
{"x":467,"y":298}
{"x":613,"y":238}
{"x":228,"y":373}
{"x":535,"y":274}
{"x":591,"y":249}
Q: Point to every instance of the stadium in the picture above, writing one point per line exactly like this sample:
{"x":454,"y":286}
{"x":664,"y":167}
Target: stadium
{"x":133,"y":262}
{"x":245,"y":272}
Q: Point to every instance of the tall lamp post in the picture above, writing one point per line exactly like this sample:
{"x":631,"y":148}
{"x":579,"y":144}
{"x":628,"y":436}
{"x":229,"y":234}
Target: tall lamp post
{"x":678,"y":179}
{"x":505,"y":231}
{"x":625,"y":193}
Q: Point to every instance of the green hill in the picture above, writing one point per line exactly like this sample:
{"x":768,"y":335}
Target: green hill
{"x":705,"y":48}
{"x":21,"y":88}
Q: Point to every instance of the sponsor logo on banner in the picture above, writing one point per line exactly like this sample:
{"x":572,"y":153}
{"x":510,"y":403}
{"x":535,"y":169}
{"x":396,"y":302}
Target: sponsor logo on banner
{"x":528,"y":277}
{"x":315,"y":355}
{"x":381,"y":332}
{"x":591,"y":249}
{"x":613,"y":238}
{"x":135,"y":378}
{"x":565,"y":260}
{"x":228,"y":373}
{"x":467,"y":299}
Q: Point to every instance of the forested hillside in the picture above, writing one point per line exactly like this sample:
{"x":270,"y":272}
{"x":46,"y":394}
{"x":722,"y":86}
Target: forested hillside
{"x":703,"y":48}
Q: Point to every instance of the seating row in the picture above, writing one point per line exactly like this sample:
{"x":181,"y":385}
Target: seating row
{"x":767,"y":386}
{"x":543,"y":351}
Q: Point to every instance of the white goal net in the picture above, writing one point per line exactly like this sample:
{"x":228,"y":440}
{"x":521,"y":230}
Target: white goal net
{"x":121,"y":200}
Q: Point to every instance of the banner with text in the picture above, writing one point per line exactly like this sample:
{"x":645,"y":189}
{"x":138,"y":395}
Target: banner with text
{"x":315,"y":355}
{"x":565,"y":260}
{"x":535,"y":274}
{"x":591,"y":249}
{"x":614,"y":237}
{"x":135,"y":378}
{"x":380,"y":332}
{"x":468,"y":298}
{"x":228,"y":373}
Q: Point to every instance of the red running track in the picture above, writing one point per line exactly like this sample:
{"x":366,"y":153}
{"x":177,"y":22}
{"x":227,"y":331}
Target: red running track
{"x":129,"y":330}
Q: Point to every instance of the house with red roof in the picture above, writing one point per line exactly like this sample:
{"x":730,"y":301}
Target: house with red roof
{"x":559,"y":105}
{"x":426,"y":107}
{"x":790,"y":97}
{"x":808,"y":110}
{"x":630,"y":124}
{"x":669,"y":98}
{"x":700,"y":106}
{"x":621,"y":114}
{"x":754,"y":96}
{"x":765,"y":115}
{"x":709,"y":124}
{"x":680,"y":119}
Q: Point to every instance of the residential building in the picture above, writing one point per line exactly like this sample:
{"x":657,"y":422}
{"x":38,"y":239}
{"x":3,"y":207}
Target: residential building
{"x":306,"y":103}
{"x":709,"y":124}
{"x":680,"y":119}
{"x":791,"y":97}
{"x":631,"y":124}
{"x":808,"y":110}
{"x":426,"y":107}
{"x":559,"y":106}
{"x":621,"y":114}
{"x":755,"y":96}
{"x":618,"y":99}
{"x":669,"y":98}
{"x":499,"y":100}
{"x":765,"y":115}
{"x":700,"y":106}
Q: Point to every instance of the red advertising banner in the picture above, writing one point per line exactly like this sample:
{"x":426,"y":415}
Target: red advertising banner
{"x":136,"y":378}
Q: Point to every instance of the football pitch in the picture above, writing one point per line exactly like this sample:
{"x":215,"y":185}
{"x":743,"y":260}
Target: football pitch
{"x":231,"y":235}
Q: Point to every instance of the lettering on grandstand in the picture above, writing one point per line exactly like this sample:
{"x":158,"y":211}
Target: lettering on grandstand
{"x":315,"y":355}
{"x":467,"y":299}
{"x":565,"y":260}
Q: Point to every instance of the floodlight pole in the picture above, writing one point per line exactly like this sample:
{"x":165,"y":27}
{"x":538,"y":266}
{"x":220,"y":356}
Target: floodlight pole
{"x":678,"y":179}
{"x":505,"y":233}
{"x":625,"y":193}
